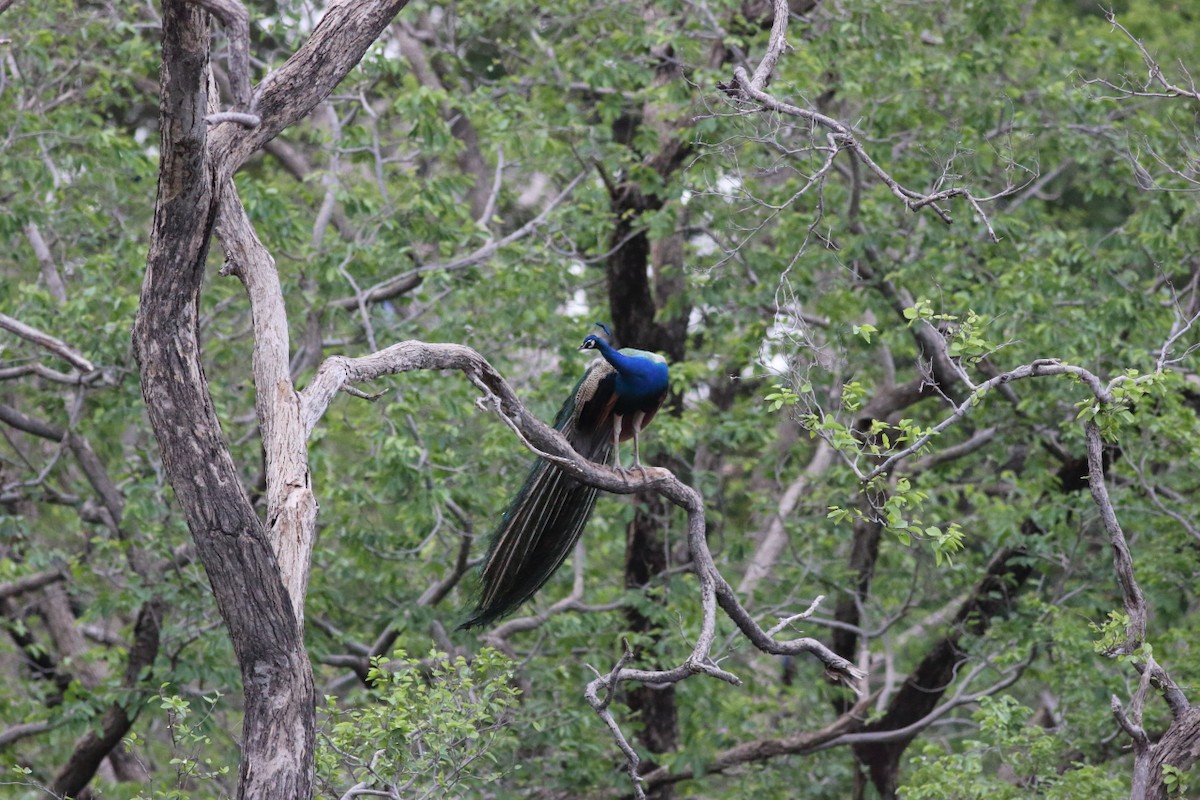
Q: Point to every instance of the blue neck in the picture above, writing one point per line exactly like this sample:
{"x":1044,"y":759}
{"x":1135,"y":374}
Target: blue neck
{"x":637,"y":376}
{"x":620,"y":362}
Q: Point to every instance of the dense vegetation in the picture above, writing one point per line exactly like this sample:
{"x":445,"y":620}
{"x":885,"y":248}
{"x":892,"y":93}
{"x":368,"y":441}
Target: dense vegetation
{"x":947,"y":252}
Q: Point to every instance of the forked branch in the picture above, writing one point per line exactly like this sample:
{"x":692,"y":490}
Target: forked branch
{"x":751,"y":90}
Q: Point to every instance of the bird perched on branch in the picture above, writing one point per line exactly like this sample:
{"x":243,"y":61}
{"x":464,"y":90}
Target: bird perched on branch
{"x":613,"y":402}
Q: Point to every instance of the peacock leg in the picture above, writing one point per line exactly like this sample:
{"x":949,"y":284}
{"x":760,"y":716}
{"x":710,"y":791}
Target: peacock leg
{"x":637,"y":456}
{"x":616,"y":443}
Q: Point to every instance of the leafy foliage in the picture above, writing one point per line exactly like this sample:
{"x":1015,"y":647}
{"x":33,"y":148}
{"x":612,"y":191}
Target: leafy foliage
{"x":811,"y":295}
{"x":1010,"y":759}
{"x":432,"y":729}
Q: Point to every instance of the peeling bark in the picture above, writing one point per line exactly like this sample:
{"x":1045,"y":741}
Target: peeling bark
{"x":278,"y":734}
{"x":258,"y":572}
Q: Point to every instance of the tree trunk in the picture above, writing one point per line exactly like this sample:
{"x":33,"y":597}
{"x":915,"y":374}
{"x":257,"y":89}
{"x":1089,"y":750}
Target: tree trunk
{"x":1179,"y":747}
{"x":992,"y":597}
{"x":278,"y":733}
{"x":654,"y":706}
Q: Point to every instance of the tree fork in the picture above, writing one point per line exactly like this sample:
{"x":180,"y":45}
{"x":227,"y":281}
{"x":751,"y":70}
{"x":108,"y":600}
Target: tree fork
{"x":278,"y":734}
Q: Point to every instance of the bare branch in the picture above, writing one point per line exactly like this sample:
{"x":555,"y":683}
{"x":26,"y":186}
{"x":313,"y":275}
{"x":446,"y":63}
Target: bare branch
{"x":42,"y":371}
{"x":17,"y":732}
{"x":844,"y":731}
{"x":23,"y":422}
{"x":959,"y":698}
{"x":1179,"y":327}
{"x":291,"y":503}
{"x":1154,"y":77}
{"x":752,"y":89}
{"x":764,"y":749}
{"x":601,"y":706}
{"x":1135,"y":601}
{"x":1038,"y":368}
{"x":41,"y":251}
{"x":31,"y":582}
{"x":290,"y":93}
{"x":775,"y":46}
{"x":48,"y":342}
{"x":405,"y":281}
{"x":794,"y":618}
{"x":549,"y":443}
{"x":434,"y":594}
{"x":1141,"y":740}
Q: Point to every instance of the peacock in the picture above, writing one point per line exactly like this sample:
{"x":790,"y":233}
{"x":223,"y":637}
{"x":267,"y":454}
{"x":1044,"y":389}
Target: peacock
{"x":613,"y":402}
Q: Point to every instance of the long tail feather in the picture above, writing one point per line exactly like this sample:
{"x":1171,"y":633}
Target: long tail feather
{"x":536,"y":535}
{"x":539,"y":530}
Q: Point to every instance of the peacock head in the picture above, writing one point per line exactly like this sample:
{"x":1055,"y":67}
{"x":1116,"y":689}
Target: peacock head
{"x":593,"y":341}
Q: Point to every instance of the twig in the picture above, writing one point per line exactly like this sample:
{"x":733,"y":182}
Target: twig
{"x":786,"y":621}
{"x":752,"y":89}
{"x":1154,"y":75}
{"x":601,"y":706}
{"x":1034,"y":369}
{"x":388,"y":288}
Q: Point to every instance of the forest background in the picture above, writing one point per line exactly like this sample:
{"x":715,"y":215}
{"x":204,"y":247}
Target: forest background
{"x":928,"y":278}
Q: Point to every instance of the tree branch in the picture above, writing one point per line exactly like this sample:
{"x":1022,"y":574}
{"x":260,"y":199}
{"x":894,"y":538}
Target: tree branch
{"x":30,"y":583}
{"x":1135,"y":601}
{"x":291,"y":503}
{"x":235,"y":19}
{"x":95,"y":745}
{"x":751,"y":89}
{"x":288,"y":94}
{"x":47,"y":342}
{"x":550,"y":444}
{"x":408,"y":280}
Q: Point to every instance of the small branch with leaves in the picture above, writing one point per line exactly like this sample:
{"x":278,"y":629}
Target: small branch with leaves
{"x":751,"y":91}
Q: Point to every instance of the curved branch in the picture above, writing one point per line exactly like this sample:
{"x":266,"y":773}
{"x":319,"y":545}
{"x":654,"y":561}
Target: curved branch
{"x":339,"y":371}
{"x":291,"y":503}
{"x":1035,"y":369}
{"x":1135,"y":601}
{"x":548,"y":443}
